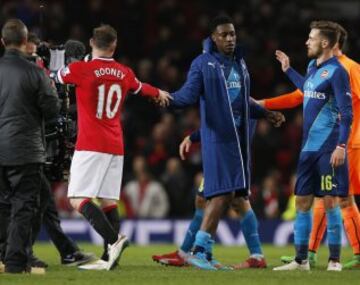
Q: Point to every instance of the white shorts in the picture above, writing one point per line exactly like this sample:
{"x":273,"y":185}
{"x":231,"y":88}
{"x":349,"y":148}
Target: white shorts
{"x":95,"y":175}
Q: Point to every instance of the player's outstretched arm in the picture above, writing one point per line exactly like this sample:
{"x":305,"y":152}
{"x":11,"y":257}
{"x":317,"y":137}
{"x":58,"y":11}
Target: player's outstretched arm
{"x":190,"y":92}
{"x":276,"y":118}
{"x":296,"y":78}
{"x":164,"y":98}
{"x":257,"y":111}
{"x":285,"y":101}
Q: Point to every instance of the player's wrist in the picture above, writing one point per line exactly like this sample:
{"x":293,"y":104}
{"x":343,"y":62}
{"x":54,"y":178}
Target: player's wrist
{"x":341,"y":146}
{"x":288,"y":69}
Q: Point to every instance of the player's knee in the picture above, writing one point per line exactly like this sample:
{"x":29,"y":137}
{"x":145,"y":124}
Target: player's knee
{"x":345,"y":202}
{"x":77,"y":203}
{"x":200,"y":202}
{"x":330,"y":202}
{"x":303,"y":203}
{"x":236,"y":206}
{"x":74,"y":203}
{"x":240,"y":205}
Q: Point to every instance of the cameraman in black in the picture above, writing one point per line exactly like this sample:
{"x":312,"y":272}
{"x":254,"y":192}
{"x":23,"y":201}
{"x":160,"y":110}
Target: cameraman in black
{"x":26,"y":100}
{"x":48,"y":215}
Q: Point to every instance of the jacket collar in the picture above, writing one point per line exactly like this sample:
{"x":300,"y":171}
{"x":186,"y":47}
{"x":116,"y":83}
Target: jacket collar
{"x":210,"y":47}
{"x":13,"y":52}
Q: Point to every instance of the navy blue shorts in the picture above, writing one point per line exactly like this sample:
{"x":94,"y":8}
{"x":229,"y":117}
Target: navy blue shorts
{"x":240,"y":193}
{"x":316,"y":176}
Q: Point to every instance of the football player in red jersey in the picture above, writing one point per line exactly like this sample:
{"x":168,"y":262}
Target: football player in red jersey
{"x":96,"y":169}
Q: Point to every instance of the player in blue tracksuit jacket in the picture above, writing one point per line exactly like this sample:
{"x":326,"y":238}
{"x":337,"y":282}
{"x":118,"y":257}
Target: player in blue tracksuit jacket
{"x":322,"y":168}
{"x":246,"y":217}
{"x":219,"y":80}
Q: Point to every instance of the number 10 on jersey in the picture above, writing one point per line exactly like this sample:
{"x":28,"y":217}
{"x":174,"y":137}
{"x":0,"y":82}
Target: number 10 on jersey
{"x":106,"y":98}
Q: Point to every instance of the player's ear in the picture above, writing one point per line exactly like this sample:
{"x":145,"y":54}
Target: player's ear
{"x":213,"y":37}
{"x":325,"y":43}
{"x":113,"y":45}
{"x":91,"y":43}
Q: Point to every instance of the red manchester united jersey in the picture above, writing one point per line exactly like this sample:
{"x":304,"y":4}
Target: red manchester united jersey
{"x":101,"y":87}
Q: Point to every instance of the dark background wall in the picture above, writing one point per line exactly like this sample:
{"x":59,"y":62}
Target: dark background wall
{"x":158,"y":39}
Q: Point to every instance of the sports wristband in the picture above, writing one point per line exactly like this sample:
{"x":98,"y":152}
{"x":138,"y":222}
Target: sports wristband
{"x":342,"y":146}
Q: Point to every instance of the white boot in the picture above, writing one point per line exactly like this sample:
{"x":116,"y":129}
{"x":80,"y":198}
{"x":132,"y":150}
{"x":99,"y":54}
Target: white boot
{"x":293,"y":265}
{"x":96,"y":265}
{"x":334,"y":266}
{"x":115,"y":250}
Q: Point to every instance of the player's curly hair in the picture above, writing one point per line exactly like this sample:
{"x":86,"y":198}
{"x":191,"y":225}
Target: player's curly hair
{"x":220,"y":20}
{"x":328,"y":29}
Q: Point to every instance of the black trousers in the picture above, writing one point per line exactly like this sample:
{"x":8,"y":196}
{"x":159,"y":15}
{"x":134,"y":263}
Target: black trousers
{"x":19,"y":199}
{"x":48,"y":217}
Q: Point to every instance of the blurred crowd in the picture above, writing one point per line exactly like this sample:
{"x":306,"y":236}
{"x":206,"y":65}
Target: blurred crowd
{"x":159,"y":39}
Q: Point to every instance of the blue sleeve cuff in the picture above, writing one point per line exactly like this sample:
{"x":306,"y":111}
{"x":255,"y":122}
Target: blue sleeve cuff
{"x":195,"y":136}
{"x":256,"y":111}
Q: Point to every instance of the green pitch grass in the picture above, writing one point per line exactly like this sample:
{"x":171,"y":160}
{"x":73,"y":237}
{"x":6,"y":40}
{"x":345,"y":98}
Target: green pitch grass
{"x":136,"y":267}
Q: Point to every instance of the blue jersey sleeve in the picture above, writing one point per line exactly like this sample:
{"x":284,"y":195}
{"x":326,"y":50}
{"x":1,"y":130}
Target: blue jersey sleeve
{"x":189,"y":93}
{"x":296,"y":78}
{"x":341,"y":87}
{"x":195,"y":136}
{"x":256,"y":111}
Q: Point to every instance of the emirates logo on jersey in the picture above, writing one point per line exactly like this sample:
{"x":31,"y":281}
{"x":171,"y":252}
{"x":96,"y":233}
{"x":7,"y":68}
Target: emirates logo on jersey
{"x":314,"y":95}
{"x":324,"y":74}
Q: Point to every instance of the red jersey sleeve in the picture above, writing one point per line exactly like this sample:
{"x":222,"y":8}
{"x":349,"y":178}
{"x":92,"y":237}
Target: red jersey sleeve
{"x":144,"y":89}
{"x":71,"y":74}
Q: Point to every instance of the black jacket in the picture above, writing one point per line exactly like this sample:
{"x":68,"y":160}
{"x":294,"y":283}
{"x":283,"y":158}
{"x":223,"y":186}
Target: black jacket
{"x":26,"y":100}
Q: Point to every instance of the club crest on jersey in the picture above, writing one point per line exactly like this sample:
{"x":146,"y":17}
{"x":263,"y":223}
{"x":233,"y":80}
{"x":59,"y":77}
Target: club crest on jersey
{"x":324,"y":74}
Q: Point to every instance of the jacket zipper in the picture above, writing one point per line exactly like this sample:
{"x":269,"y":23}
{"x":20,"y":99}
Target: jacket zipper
{"x":247,"y":126}
{"x":236,"y":134}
